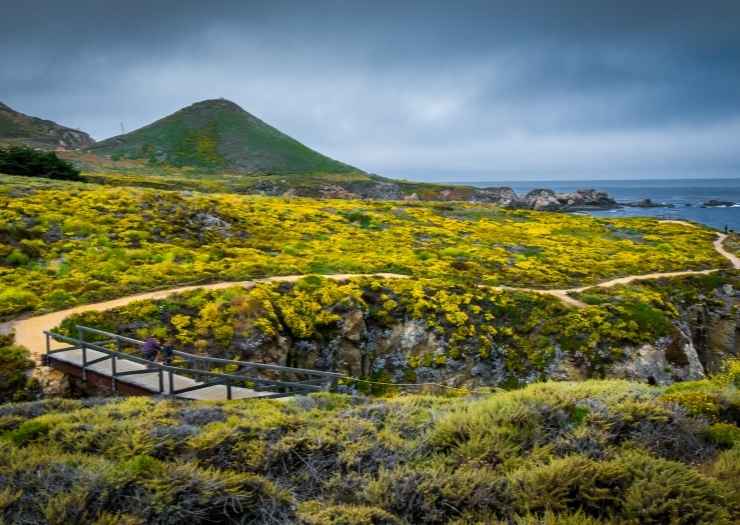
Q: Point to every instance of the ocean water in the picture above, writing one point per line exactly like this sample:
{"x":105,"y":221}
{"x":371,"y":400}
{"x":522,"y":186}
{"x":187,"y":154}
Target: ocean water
{"x":687,"y":196}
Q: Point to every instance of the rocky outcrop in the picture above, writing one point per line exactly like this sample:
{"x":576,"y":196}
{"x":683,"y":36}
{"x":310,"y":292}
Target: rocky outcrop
{"x":544,"y":199}
{"x":52,"y":383}
{"x":714,"y":323}
{"x":706,"y":334}
{"x":670,"y":359}
{"x":541,"y":199}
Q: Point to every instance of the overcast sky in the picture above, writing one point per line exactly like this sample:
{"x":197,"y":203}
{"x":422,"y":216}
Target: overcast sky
{"x":449,"y":90}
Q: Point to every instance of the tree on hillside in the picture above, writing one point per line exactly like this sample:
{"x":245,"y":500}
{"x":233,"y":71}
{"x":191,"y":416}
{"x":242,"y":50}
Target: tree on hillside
{"x":22,"y":160}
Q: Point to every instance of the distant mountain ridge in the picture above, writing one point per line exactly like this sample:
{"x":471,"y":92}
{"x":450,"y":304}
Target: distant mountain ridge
{"x":219,"y":134}
{"x":20,"y":129}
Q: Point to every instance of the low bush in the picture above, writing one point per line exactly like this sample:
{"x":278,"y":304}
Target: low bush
{"x":592,"y":453}
{"x":15,"y":368}
{"x":22,"y":160}
{"x":314,"y":513}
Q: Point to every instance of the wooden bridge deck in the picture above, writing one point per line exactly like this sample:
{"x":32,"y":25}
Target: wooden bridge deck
{"x":146,"y":381}
{"x":192,"y":378}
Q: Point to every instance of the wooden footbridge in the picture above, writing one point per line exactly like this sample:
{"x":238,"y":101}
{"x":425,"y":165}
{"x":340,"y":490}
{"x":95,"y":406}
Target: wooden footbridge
{"x":113,"y":361}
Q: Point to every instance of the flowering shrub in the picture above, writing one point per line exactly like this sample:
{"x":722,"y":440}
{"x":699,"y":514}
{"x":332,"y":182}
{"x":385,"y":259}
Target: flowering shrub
{"x":64,"y":243}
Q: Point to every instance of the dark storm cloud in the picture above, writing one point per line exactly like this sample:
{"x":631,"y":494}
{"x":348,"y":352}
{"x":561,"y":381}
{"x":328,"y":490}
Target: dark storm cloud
{"x":446,"y":89}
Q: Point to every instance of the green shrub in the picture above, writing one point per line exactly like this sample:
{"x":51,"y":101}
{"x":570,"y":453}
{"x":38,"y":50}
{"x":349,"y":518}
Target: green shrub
{"x":313,"y":513}
{"x":568,"y":484}
{"x":668,"y":492}
{"x":15,"y":365}
{"x":573,"y":453}
{"x":726,"y":469}
{"x":21,"y":160}
{"x":17,"y":258}
{"x":29,"y":431}
{"x":724,"y":434}
{"x":435,"y":494}
{"x":74,"y":488}
{"x":13,"y":300}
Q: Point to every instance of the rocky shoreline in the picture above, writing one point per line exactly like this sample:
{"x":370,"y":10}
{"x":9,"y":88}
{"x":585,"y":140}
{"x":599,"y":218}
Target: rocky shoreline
{"x":548,"y":200}
{"x":380,"y":188}
{"x":375,"y":187}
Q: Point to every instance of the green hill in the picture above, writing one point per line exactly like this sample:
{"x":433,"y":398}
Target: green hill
{"x":218,"y":134}
{"x":17,"y":128}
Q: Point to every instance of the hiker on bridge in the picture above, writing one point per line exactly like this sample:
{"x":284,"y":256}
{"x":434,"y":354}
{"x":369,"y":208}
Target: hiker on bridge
{"x":151,"y":348}
{"x":167,"y":352}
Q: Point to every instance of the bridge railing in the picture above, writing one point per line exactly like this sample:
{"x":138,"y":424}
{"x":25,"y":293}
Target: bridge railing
{"x":282,"y":380}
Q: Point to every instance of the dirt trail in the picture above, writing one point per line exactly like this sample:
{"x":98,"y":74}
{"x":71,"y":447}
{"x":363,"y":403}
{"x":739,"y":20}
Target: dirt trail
{"x":721,"y":249}
{"x":563,"y":293}
{"x":29,"y":331}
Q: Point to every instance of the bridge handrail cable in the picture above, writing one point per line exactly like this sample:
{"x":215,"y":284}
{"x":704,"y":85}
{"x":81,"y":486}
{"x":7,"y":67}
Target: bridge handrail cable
{"x":216,"y":360}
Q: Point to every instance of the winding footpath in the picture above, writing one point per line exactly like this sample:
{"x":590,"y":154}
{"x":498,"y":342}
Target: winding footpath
{"x":563,"y":294}
{"x":29,"y":331}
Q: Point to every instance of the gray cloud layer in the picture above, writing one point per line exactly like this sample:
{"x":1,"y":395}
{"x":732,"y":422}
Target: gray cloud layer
{"x":450,"y":90}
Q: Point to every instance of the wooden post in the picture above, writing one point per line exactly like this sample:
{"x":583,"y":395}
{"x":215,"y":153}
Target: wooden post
{"x":161,"y":381}
{"x":113,"y":373}
{"x":48,"y":343}
{"x":172,"y":383}
{"x":228,"y":391}
{"x":84,"y":362}
{"x":81,"y":339}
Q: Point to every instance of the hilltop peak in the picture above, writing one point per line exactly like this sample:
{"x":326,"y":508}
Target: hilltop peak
{"x":219,"y":134}
{"x":216,"y":102}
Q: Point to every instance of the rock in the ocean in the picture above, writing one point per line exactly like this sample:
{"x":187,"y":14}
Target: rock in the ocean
{"x":545,"y":199}
{"x":714,"y":203}
{"x":648,"y":203}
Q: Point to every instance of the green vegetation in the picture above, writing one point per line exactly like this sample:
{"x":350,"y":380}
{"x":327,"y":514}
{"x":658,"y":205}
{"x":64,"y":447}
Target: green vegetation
{"x":22,"y":160}
{"x":521,"y":335}
{"x":597,"y":452}
{"x":217,"y":135}
{"x":64,"y":243}
{"x":15,"y":363}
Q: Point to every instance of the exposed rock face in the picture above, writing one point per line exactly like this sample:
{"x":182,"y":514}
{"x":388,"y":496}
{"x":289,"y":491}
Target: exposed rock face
{"x":670,"y":359}
{"x":715,"y":327}
{"x":52,"y":382}
{"x":703,"y":337}
{"x":353,"y":326}
{"x":17,"y":128}
{"x":334,"y":191}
